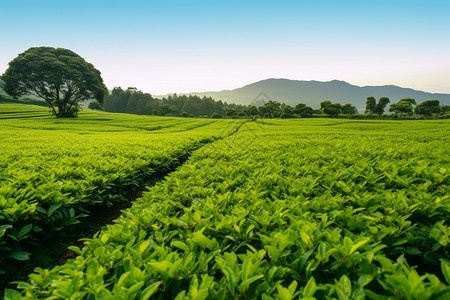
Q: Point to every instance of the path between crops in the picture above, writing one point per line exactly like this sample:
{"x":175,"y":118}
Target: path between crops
{"x":53,"y":251}
{"x":101,"y":215}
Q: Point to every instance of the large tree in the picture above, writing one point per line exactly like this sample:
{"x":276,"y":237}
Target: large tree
{"x":287,"y":112}
{"x":59,"y":76}
{"x":272,"y":109}
{"x":332,"y":109}
{"x":381,"y":105}
{"x":428,"y":107}
{"x":372,"y":107}
{"x":251,"y":111}
{"x":303,"y":110}
{"x":349,"y":109}
{"x":371,"y":104}
{"x":404,"y":106}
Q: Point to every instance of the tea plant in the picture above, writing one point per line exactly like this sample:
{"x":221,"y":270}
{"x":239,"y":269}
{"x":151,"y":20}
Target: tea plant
{"x":53,"y":170}
{"x":297,"y":209}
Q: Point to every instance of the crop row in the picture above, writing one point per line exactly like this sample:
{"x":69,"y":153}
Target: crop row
{"x":290,"y":209}
{"x":51,"y":170}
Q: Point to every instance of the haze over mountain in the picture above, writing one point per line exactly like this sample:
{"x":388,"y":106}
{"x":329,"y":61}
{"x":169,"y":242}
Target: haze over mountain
{"x":313,"y":92}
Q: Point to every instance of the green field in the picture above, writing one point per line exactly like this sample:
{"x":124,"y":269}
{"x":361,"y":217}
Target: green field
{"x":52,"y":171}
{"x":273,"y":209}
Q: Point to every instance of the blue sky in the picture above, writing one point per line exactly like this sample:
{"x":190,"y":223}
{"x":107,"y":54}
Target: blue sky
{"x":183,"y":46}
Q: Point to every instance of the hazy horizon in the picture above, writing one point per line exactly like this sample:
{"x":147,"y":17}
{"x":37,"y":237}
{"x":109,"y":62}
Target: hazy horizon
{"x":195,"y":46}
{"x":290,"y":79}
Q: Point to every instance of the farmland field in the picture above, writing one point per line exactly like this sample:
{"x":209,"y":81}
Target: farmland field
{"x":273,"y":209}
{"x":51,"y":169}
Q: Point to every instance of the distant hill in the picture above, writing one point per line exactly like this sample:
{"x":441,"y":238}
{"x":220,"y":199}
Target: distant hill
{"x":312,"y":93}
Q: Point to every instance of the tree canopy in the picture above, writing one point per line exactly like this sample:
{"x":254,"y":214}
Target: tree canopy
{"x":372,"y":107}
{"x":349,"y":109}
{"x":427,"y":107}
{"x":59,"y":76}
{"x":404,"y":106}
{"x":303,"y":110}
{"x":251,"y":111}
{"x":332,"y":109}
{"x":381,"y":105}
{"x":270,"y":109}
{"x":371,"y":103}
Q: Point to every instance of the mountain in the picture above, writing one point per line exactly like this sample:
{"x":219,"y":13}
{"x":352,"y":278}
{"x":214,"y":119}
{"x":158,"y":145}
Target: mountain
{"x":312,"y":93}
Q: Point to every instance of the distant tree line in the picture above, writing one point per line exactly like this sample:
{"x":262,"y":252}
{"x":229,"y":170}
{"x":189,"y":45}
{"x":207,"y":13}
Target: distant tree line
{"x":136,"y":102}
{"x":407,"y":108}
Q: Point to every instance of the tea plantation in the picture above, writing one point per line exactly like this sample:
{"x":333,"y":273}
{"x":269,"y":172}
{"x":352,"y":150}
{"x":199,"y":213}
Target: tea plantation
{"x":269,"y":209}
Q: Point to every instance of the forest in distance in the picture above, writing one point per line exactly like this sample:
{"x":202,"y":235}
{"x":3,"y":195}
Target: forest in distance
{"x":134,"y":101}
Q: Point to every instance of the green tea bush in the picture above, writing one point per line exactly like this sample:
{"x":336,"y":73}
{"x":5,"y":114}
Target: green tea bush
{"x":286,"y":209}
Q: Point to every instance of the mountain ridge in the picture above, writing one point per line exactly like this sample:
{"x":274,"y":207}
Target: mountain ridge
{"x":312,"y":92}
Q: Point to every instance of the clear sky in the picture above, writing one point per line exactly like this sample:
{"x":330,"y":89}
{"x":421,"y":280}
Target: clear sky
{"x":184,"y":46}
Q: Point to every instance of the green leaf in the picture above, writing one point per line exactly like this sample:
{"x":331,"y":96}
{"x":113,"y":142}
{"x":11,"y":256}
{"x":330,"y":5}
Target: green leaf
{"x":75,"y":249}
{"x":199,"y":238}
{"x":150,"y":290}
{"x":122,"y":279}
{"x":143,"y":247}
{"x":20,"y":255}
{"x":306,"y":239}
{"x":283,"y":293}
{"x":348,"y":244}
{"x":310,"y":287}
{"x":104,"y":238}
{"x":162,"y":268}
{"x":3,"y":229}
{"x":25,"y":229}
{"x":412,"y":251}
{"x":322,"y":250}
{"x":344,"y":288}
{"x":180,"y":245}
{"x":41,"y":210}
{"x":247,"y":269}
{"x":364,"y":280}
{"x":292,"y":287}
{"x":400,"y":242}
{"x":359,"y":244}
{"x":182,"y":224}
{"x":445,"y":266}
{"x":249,"y":229}
{"x":53,"y":208}
{"x":12,"y":295}
{"x":23,"y":285}
{"x":229,"y":274}
{"x":247,"y":282}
